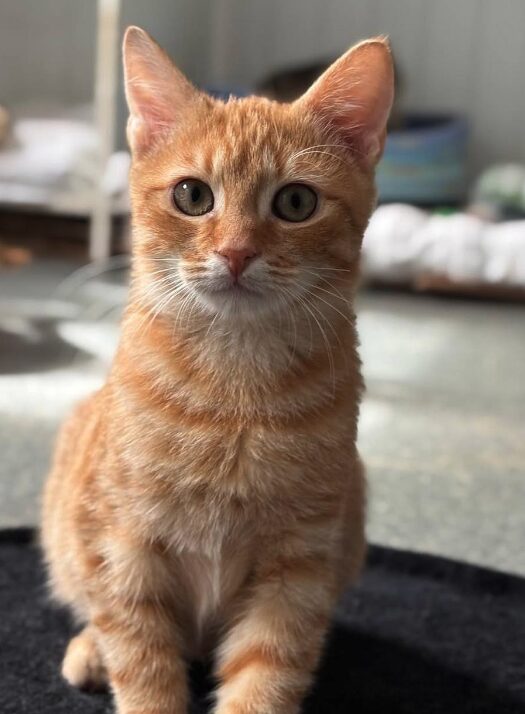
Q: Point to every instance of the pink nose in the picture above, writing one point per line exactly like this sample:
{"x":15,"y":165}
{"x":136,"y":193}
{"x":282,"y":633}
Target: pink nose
{"x":237,"y":259}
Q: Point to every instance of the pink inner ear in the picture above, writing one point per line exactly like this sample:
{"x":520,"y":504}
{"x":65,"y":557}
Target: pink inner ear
{"x":155,"y":89}
{"x":151,"y":105}
{"x":354,"y":97}
{"x":363,"y":130}
{"x":151,"y":112}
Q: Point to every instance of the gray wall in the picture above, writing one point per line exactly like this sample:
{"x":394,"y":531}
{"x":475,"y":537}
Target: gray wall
{"x":46,"y":50}
{"x":463,"y":55}
{"x":47,"y":47}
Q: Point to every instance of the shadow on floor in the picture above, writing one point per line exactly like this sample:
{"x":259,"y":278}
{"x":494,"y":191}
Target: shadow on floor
{"x":38,"y":350}
{"x":363,"y":674}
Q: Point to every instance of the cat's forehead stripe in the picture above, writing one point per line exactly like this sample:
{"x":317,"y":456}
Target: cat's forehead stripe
{"x":217,"y":162}
{"x":231,"y":160}
{"x":201,"y":160}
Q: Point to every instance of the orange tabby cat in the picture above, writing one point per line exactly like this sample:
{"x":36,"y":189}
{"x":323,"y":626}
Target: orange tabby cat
{"x":209,"y":499}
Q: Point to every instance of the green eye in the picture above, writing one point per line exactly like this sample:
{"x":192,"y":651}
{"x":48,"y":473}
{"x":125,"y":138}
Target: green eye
{"x":294,"y":202}
{"x":193,"y":197}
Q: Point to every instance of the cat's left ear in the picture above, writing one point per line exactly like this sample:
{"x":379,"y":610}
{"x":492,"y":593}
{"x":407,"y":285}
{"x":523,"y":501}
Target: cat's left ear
{"x":156,"y":91}
{"x":354,"y":96}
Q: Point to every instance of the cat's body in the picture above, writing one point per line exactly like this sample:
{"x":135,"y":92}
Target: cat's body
{"x":199,"y":491}
{"x":209,"y":499}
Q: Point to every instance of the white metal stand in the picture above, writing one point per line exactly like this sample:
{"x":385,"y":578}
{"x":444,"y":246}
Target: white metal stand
{"x":106,"y":78}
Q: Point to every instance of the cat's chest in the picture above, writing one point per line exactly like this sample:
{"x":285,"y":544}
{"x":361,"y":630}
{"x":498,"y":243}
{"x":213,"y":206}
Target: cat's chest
{"x":209,"y":582}
{"x":208,"y":466}
{"x":202,"y":486}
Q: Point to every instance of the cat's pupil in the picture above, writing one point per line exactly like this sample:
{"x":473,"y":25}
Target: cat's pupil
{"x":295,"y":200}
{"x":193,"y":197}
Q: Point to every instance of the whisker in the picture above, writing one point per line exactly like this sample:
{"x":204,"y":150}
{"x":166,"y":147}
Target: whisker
{"x":318,"y":297}
{"x":298,"y":299}
{"x":310,"y":309}
{"x":177,"y":289}
{"x":325,"y":280}
{"x":326,"y":153}
{"x":338,"y":270}
{"x":313,"y":147}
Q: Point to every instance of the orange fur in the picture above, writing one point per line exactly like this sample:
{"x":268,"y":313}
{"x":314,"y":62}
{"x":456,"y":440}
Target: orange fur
{"x":210,"y":496}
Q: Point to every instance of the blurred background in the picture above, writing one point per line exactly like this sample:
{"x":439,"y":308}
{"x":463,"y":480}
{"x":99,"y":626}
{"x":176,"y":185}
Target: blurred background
{"x":442,"y":308}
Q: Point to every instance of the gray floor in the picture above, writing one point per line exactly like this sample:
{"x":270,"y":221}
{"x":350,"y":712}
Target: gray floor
{"x":442,"y":429}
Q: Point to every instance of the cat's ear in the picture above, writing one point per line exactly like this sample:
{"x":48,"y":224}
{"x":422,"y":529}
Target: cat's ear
{"x":156,"y":91}
{"x":354,"y":96}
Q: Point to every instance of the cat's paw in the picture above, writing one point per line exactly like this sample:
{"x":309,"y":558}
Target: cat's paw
{"x":83,"y":666}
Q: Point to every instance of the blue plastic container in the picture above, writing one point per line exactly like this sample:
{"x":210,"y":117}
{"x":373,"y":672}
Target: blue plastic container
{"x":425,"y":162}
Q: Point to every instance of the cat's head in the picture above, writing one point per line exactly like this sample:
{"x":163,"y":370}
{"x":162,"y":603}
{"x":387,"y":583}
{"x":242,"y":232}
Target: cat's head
{"x":245,"y":206}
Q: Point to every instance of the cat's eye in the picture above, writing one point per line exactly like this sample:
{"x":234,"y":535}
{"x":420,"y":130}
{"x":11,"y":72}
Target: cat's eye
{"x":294,"y":202}
{"x":193,"y":197}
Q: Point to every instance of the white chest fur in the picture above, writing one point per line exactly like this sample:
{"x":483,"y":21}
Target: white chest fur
{"x":209,"y":582}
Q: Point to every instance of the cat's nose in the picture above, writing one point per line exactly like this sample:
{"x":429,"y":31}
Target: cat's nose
{"x":237,"y":259}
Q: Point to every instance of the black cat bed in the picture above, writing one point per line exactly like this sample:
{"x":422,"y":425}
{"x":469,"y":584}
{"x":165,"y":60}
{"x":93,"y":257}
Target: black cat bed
{"x":420,"y":635}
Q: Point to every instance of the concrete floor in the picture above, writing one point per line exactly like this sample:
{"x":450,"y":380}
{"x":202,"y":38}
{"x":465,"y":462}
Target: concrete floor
{"x":442,"y":428}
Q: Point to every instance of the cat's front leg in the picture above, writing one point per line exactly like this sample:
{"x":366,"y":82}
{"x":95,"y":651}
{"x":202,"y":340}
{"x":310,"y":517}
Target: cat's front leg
{"x":266,"y":661}
{"x":137,"y":631}
{"x":145,"y":669}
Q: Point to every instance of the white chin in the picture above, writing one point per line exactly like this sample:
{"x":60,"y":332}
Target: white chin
{"x":234,"y":300}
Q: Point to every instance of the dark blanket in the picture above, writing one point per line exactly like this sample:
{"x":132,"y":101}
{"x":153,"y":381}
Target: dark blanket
{"x":420,"y":635}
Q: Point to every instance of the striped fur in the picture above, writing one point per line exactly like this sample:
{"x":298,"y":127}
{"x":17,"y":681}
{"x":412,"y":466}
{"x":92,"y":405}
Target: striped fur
{"x":209,"y":499}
